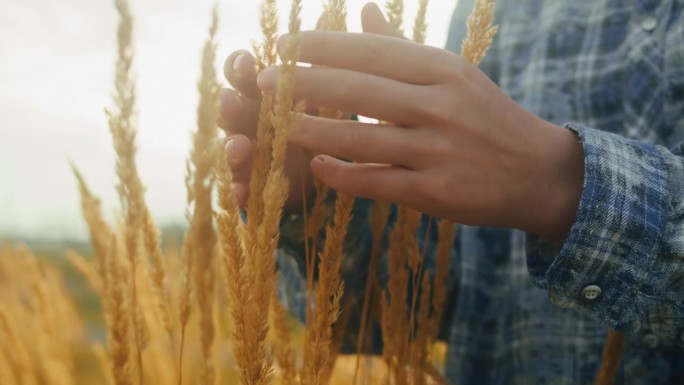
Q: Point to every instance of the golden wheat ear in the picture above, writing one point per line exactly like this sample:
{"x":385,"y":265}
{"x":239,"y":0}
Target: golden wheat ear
{"x":200,"y":184}
{"x":481,"y":32}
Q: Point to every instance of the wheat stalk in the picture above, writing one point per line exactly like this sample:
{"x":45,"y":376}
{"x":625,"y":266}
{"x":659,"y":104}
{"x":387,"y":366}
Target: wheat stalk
{"x":447,"y":235}
{"x":100,"y":233}
{"x":283,"y":121}
{"x":282,"y":341}
{"x":378,"y":222}
{"x":118,"y":318}
{"x":201,"y":232}
{"x":86,"y":268}
{"x":19,"y":357}
{"x":185,"y":306}
{"x":157,"y":275}
{"x":318,"y":354}
{"x":612,"y":353}
{"x":130,"y":189}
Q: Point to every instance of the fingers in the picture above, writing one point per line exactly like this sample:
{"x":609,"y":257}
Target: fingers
{"x":238,"y":151}
{"x":230,"y":108}
{"x":352,"y":140}
{"x":384,"y":56}
{"x":354,"y":92}
{"x":372,"y":181}
{"x":239,"y":114}
{"x":241,"y":71}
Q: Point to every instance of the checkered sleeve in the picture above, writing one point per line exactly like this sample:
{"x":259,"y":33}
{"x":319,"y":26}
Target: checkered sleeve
{"x":623,"y":260}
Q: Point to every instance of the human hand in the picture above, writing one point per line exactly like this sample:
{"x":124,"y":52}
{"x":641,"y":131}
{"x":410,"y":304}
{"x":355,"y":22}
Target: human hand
{"x":459,"y":148}
{"x":240,"y":112}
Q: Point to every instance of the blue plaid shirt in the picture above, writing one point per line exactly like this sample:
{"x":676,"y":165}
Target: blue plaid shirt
{"x":521,"y":311}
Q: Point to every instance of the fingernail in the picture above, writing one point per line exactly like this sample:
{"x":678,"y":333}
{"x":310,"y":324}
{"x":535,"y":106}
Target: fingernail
{"x":230,"y":146}
{"x":267,"y":79}
{"x":318,"y":159}
{"x":237,"y":63}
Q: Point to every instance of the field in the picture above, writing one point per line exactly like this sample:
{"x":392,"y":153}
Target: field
{"x":200,"y":305}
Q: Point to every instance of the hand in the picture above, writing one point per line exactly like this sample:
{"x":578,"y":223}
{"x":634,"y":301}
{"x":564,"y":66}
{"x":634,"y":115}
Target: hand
{"x":239,"y":116}
{"x":459,"y":148}
{"x":239,"y":111}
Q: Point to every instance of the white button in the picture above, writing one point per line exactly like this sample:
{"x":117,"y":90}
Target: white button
{"x":649,"y":23}
{"x":591,"y":293}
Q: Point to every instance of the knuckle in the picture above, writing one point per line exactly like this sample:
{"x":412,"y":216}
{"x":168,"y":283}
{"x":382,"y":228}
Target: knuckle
{"x":301,"y":134}
{"x":351,"y":140}
{"x":440,"y":109}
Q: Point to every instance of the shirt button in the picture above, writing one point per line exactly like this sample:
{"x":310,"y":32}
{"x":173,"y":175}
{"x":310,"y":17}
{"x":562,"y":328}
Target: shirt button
{"x":649,"y":23}
{"x":591,"y":293}
{"x":650,"y":341}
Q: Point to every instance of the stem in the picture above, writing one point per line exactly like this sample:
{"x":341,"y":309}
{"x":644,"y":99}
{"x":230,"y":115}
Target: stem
{"x":180,"y":356}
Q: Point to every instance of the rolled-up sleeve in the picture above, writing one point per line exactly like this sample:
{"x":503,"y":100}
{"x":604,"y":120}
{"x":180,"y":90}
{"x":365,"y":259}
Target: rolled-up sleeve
{"x":622,"y":262}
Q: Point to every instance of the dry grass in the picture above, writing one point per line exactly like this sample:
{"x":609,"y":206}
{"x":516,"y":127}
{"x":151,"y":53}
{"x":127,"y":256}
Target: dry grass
{"x":209,"y":312}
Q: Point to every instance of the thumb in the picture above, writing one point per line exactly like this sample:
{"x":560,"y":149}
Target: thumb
{"x":373,"y":21}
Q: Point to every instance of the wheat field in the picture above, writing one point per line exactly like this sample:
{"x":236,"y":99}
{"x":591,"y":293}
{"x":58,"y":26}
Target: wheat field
{"x":205,"y":309}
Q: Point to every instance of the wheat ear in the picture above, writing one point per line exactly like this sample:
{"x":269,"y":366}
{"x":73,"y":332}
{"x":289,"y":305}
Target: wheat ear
{"x":420,"y":24}
{"x":118,"y":318}
{"x":20,"y":357}
{"x":480,"y":31}
{"x":100,"y":233}
{"x":130,"y":189}
{"x":157,"y":273}
{"x":378,"y":221}
{"x":395,"y":14}
{"x":283,"y":121}
{"x":87,"y":270}
{"x":447,"y":235}
{"x":201,"y":232}
{"x":231,"y":230}
{"x":328,"y":291}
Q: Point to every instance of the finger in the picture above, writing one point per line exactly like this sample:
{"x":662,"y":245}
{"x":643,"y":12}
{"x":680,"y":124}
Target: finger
{"x":384,"y":56}
{"x":241,"y":192}
{"x":238,"y":152}
{"x":230,"y":108}
{"x":372,"y":181}
{"x":355,"y":93}
{"x":373,"y":21}
{"x":360,"y":142}
{"x":238,"y":114}
{"x":241,"y":71}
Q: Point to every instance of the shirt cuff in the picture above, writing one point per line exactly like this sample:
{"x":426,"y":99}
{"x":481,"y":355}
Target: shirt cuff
{"x":607,"y":266}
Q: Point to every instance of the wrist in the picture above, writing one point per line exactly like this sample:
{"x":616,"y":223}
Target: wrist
{"x":556,"y":187}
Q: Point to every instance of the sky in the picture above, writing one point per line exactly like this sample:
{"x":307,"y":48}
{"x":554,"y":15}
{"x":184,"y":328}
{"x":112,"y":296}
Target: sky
{"x":56,"y":71}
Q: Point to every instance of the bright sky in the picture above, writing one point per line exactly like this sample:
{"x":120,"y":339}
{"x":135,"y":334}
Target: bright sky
{"x":56,"y":70}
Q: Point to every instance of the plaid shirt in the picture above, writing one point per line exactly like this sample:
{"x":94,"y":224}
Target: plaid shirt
{"x":520,"y":311}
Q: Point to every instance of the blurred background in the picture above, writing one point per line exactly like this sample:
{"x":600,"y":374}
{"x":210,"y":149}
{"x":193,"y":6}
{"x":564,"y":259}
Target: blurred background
{"x":56,"y":70}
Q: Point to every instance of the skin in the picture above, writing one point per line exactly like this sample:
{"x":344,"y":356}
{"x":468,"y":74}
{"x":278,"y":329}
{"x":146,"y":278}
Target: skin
{"x":458,"y":147}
